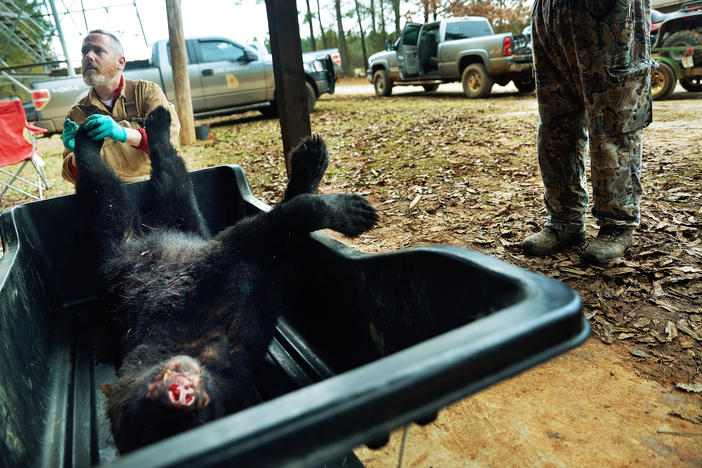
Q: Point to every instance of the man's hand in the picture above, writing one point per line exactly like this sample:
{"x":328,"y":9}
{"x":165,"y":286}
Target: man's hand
{"x":101,"y":126}
{"x":69,"y":134}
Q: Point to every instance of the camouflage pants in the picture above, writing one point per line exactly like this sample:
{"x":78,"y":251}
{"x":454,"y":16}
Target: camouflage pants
{"x":592,"y":63}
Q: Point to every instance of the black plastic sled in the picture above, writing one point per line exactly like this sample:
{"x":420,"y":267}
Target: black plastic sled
{"x":371,"y":343}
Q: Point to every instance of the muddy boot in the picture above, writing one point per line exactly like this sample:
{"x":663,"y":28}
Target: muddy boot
{"x":610,"y":243}
{"x":548,"y":241}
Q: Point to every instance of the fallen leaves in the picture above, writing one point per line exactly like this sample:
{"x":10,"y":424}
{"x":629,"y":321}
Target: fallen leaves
{"x":696,"y":388}
{"x":457,"y":172}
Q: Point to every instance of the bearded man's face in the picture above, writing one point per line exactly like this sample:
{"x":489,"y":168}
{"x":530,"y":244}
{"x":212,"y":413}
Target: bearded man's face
{"x":100,"y":63}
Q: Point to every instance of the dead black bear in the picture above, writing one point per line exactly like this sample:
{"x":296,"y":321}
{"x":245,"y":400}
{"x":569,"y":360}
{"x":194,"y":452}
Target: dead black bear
{"x":193,"y":313}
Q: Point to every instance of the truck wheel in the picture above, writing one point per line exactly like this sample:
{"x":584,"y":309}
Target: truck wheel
{"x":525,"y":86}
{"x":311,"y":97}
{"x":476,"y":82}
{"x":662,"y":81}
{"x":686,"y":38}
{"x":694,"y":85}
{"x":381,"y":83}
{"x":430,"y":87}
{"x":270,"y":111}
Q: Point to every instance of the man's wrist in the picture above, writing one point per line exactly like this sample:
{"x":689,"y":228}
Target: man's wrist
{"x":132,"y":136}
{"x":144,"y":143}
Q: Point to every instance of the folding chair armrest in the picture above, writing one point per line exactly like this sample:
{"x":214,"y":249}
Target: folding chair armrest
{"x":36,"y":130}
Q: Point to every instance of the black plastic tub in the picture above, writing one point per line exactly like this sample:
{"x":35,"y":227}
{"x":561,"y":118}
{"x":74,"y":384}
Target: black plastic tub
{"x":371,"y":343}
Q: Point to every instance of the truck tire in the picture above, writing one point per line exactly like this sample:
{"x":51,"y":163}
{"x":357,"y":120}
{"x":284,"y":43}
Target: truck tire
{"x":270,"y":111}
{"x":694,"y":85}
{"x":525,"y":86}
{"x":311,"y":97}
{"x":476,"y":82}
{"x":381,"y":83}
{"x":663,"y":81}
{"x":686,"y":38}
{"x":429,"y":88}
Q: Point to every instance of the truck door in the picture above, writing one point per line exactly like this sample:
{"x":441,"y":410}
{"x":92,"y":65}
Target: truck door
{"x":198,"y":98}
{"x":231,"y":74}
{"x":407,"y":57}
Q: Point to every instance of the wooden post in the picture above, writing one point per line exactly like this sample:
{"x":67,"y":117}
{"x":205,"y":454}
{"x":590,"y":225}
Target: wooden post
{"x":290,"y":91}
{"x":181,"y":78}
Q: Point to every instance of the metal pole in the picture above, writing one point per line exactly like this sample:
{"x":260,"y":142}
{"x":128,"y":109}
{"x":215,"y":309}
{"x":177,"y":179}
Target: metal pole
{"x":17,"y":83}
{"x":140,"y":24}
{"x":85,"y":19}
{"x":71,"y":72}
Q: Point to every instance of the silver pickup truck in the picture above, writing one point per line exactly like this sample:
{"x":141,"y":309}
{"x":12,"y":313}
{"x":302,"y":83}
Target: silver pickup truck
{"x":461,"y":49}
{"x":225,"y":77}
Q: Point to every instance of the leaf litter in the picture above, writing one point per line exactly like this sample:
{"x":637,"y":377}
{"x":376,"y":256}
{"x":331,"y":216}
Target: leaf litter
{"x":443,"y":169}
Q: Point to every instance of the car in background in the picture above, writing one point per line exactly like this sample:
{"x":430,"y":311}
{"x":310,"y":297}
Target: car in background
{"x":226,"y":77}
{"x":676,"y":43}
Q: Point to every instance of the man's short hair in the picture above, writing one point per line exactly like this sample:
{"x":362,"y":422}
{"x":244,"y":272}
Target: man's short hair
{"x":115,"y":42}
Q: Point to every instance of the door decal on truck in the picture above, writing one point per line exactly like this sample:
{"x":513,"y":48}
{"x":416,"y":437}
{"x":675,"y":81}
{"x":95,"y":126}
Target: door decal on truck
{"x":232,"y":82}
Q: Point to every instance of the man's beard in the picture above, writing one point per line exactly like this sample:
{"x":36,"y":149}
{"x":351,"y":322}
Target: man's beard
{"x":96,"y":78}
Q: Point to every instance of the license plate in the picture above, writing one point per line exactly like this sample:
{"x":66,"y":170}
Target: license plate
{"x":687,"y":61}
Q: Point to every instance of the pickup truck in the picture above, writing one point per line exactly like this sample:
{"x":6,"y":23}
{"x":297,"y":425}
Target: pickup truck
{"x":225,"y":77}
{"x":455,"y":49}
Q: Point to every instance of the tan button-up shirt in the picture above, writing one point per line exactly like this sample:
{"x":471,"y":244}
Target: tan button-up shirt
{"x":129,"y":163}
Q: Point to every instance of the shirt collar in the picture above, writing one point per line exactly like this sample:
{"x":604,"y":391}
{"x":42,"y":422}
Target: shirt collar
{"x":95,"y":99}
{"x":118,"y":91}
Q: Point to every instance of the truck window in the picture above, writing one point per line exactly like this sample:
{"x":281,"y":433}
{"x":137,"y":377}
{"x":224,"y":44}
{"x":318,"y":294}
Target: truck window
{"x":168,"y":52}
{"x":432,"y":30}
{"x":410,"y":35}
{"x":467,"y":29}
{"x":217,"y":51}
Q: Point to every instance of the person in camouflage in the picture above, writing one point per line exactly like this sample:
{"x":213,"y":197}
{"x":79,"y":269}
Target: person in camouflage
{"x":593,"y":66}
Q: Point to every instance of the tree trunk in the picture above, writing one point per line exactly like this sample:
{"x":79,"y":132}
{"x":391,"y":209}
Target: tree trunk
{"x":396,"y":9}
{"x":342,"y":38}
{"x":372,"y":13}
{"x":290,"y":91}
{"x":383,"y":31}
{"x":181,"y":78}
{"x":309,"y":21}
{"x":321,"y":28}
{"x":363,"y":37}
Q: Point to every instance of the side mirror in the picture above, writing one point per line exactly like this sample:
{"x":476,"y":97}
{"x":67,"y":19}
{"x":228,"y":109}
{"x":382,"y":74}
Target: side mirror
{"x":388,"y":45}
{"x":247,"y":57}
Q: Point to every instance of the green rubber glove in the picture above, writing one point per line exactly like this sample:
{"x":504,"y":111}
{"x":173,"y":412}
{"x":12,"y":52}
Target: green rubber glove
{"x":101,"y":126}
{"x":69,"y":134}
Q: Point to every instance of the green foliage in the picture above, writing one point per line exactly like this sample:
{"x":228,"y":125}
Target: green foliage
{"x":27,"y":42}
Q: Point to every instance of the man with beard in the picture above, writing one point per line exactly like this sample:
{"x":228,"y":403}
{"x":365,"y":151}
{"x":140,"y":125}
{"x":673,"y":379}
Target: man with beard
{"x":114,"y":109}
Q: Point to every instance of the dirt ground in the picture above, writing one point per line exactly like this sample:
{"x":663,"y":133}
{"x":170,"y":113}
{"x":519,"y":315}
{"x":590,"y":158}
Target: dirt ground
{"x":618,"y":400}
{"x":444,"y":169}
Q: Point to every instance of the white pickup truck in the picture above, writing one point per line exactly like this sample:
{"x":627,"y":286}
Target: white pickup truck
{"x":461,"y":49}
{"x":225,"y":77}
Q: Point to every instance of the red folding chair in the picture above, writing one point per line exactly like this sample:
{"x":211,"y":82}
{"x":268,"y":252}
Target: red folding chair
{"x":18,"y":147}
